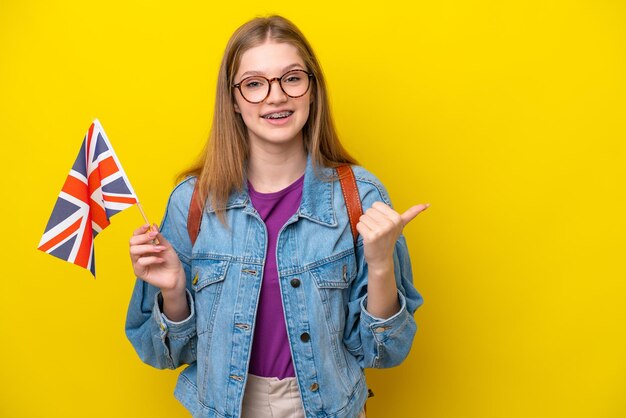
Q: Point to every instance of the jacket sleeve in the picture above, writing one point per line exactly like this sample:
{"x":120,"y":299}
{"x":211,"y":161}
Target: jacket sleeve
{"x":158,"y":341}
{"x":376,"y":342}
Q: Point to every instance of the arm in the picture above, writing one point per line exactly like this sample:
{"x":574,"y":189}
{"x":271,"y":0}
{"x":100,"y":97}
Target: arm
{"x":160,"y":322}
{"x":386,"y":341}
{"x":381,"y":226}
{"x":382,"y":300}
{"x":380,"y":325}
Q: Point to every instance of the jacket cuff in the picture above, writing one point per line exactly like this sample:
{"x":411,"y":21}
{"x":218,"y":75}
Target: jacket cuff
{"x":173,"y":329}
{"x":384,"y":328}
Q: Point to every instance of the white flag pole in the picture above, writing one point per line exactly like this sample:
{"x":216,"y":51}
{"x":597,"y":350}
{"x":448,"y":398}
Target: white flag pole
{"x":145,"y":218}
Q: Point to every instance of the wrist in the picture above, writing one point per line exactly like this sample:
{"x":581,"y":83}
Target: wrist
{"x":178,"y":290}
{"x":173,"y":295}
{"x":175,"y":307}
{"x":380,"y":269}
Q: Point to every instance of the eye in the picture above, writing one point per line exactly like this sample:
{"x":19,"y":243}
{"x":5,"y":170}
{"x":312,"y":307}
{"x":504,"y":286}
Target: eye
{"x":253,"y":83}
{"x":292,"y":78}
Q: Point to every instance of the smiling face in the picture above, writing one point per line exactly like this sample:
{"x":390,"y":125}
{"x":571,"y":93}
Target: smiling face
{"x":277,"y":120}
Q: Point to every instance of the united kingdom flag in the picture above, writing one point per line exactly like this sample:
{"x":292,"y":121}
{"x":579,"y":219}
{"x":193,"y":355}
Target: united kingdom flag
{"x":96,"y":189}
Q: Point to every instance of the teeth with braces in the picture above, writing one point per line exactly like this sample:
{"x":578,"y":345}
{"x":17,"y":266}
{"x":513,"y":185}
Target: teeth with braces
{"x":278,"y":115}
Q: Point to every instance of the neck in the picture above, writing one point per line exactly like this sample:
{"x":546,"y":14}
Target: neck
{"x":273,"y":168}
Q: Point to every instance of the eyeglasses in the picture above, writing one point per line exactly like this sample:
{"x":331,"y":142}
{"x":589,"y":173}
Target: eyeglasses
{"x":255,"y":89}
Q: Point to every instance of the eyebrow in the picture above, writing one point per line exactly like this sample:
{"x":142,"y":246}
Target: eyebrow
{"x":287,"y":68}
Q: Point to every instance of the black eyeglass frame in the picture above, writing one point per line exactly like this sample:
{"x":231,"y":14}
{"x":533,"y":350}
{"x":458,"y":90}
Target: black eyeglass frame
{"x":269,"y":83}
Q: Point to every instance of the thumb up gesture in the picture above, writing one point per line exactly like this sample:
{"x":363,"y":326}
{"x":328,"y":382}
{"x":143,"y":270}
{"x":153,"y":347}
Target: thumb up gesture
{"x":380,"y":226}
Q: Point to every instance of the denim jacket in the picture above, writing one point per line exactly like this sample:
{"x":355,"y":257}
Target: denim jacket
{"x":323,"y":283}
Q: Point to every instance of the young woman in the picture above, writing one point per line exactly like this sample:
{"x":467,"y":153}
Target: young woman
{"x":274,"y":308}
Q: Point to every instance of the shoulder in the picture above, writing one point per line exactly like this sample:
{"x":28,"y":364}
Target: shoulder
{"x":180,"y":197}
{"x":184,"y":189}
{"x":174,"y":224}
{"x":370,"y":187}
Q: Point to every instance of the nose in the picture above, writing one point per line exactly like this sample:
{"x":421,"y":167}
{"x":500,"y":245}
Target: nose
{"x":276,"y":94}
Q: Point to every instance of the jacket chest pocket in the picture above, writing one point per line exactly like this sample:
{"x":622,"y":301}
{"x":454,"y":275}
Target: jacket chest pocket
{"x":333,"y":280}
{"x":207,"y":283}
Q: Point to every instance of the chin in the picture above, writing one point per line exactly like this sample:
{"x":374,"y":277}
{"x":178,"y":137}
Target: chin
{"x":279,"y":137}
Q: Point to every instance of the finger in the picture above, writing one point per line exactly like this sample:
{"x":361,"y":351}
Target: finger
{"x":145,"y":238}
{"x":412,"y":212}
{"x":383,"y":208}
{"x":150,"y":260}
{"x":155,"y":229}
{"x":376,"y":219}
{"x":159,"y":239}
{"x":369,"y":222}
{"x":142,"y":250}
{"x":384,"y":215}
{"x":363,"y":230}
{"x":141,"y":230}
{"x":138,"y":251}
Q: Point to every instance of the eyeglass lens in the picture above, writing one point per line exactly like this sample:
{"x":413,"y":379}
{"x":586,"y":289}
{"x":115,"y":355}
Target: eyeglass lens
{"x":294,"y":83}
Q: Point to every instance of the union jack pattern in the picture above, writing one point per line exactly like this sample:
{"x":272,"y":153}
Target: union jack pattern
{"x":95,"y":189}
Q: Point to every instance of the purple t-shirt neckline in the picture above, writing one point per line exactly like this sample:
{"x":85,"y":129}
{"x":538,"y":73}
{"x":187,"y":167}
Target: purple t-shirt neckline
{"x":271,"y":355}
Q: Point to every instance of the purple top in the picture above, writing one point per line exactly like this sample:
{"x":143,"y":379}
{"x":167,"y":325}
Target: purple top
{"x":271,"y":356}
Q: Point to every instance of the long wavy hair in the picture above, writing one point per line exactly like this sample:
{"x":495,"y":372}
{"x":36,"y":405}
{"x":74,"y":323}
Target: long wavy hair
{"x":221,"y":167}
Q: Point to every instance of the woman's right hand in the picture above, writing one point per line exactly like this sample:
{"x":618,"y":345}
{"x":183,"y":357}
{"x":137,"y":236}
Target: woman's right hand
{"x":157,"y":264}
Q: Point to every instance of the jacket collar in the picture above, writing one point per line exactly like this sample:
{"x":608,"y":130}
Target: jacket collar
{"x":317,"y":195}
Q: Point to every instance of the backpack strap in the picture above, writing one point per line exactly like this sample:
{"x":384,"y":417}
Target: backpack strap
{"x":348,"y":188}
{"x":351,"y":196}
{"x":194,"y":218}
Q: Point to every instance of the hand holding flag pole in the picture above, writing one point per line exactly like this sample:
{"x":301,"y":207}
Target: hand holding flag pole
{"x":150,"y":226}
{"x":95,"y":189}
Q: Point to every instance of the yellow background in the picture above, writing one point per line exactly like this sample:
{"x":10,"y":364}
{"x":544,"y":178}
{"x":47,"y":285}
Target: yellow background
{"x":508,"y":117}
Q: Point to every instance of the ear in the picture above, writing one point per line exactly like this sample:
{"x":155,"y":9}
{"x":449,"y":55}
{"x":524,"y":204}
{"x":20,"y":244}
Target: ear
{"x":236,"y":106}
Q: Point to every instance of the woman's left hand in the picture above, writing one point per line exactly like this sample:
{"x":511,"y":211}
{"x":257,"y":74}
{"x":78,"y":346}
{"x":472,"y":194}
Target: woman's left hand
{"x":380,"y":226}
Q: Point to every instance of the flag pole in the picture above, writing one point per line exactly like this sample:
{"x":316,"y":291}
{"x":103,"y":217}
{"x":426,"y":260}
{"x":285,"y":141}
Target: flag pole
{"x":145,"y":218}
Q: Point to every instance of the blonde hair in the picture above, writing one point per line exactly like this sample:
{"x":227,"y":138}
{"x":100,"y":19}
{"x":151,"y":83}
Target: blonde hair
{"x":220,"y":169}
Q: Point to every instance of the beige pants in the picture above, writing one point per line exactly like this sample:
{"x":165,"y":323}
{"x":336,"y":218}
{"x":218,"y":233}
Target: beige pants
{"x":269,"y":397}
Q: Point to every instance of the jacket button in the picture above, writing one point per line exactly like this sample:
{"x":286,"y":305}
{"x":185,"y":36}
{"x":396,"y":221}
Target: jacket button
{"x":305,"y":337}
{"x":314,"y":387}
{"x":295,"y":282}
